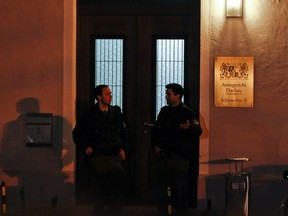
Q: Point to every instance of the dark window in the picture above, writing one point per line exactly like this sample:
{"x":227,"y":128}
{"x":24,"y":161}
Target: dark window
{"x":109,"y":66}
{"x":169,"y":67}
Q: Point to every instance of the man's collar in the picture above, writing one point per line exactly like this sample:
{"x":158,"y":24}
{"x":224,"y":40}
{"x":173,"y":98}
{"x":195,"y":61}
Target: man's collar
{"x":102,"y":108}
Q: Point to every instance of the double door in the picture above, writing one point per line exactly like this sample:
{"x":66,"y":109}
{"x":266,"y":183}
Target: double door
{"x":139,"y":82}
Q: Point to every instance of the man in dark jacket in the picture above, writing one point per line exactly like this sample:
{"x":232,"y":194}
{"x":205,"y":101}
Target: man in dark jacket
{"x":174,"y":135}
{"x":101,"y":133}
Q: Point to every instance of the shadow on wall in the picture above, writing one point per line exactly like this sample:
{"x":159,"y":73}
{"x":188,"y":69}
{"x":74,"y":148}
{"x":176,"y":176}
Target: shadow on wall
{"x":38,"y":170}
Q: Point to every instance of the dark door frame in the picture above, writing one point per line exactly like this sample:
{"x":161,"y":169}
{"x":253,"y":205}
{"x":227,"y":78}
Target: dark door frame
{"x":192,"y":78}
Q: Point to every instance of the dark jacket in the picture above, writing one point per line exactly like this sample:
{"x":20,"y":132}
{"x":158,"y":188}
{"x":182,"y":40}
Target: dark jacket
{"x":170,"y":137}
{"x":105,"y":132}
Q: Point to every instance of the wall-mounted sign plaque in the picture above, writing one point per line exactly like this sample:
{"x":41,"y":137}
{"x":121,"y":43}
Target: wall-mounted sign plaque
{"x":234,"y":81}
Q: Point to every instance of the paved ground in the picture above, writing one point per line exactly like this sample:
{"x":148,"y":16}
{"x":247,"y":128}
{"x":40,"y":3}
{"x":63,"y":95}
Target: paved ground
{"x":82,"y":210}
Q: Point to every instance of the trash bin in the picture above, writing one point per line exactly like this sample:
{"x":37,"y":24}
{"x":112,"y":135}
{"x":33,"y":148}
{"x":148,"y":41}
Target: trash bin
{"x":237,"y":185}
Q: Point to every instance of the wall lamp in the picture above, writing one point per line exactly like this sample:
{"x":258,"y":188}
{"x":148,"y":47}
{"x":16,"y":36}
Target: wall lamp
{"x":234,"y":8}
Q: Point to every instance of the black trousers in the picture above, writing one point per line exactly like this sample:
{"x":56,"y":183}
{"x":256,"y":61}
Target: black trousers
{"x":108,"y":183}
{"x":173,"y":173}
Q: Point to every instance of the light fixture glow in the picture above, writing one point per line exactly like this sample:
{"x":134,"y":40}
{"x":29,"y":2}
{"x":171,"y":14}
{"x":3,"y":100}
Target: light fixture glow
{"x":234,"y":8}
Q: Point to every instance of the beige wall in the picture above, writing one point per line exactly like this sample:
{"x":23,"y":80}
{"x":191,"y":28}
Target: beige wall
{"x":259,"y":133}
{"x":38,"y":41}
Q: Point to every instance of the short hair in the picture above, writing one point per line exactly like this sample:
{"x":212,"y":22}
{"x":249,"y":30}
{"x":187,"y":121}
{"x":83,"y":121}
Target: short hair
{"x":176,"y":88}
{"x":99,"y":90}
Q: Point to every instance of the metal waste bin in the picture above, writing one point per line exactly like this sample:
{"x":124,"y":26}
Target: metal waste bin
{"x":237,"y":189}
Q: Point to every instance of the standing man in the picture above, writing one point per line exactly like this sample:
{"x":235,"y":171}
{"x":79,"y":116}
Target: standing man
{"x":102,"y":135}
{"x":173,"y":138}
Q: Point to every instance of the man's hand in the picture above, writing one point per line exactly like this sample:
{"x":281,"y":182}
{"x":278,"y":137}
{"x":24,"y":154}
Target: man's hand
{"x":122,"y":154}
{"x":157,"y":150}
{"x":89,"y":151}
{"x":185,"y":125}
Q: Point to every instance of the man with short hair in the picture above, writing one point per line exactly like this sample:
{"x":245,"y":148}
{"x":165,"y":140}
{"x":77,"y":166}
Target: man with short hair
{"x":101,"y":133}
{"x":173,"y":138}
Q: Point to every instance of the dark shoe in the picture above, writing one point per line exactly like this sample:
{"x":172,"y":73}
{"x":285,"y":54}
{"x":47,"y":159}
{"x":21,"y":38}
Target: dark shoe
{"x":115,"y":210}
{"x":100,"y":210}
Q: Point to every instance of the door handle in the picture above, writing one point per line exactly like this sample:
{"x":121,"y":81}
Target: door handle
{"x":146,"y":125}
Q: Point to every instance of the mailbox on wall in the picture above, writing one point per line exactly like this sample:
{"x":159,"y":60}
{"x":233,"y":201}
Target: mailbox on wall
{"x":38,"y":129}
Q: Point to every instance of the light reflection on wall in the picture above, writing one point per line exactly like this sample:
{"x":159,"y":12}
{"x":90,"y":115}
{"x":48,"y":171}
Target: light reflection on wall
{"x":218,"y":8}
{"x":217,"y":12}
{"x":252,"y":11}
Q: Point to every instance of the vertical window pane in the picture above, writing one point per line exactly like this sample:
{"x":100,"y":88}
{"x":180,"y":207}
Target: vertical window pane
{"x":169,"y":67}
{"x":109,"y":66}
